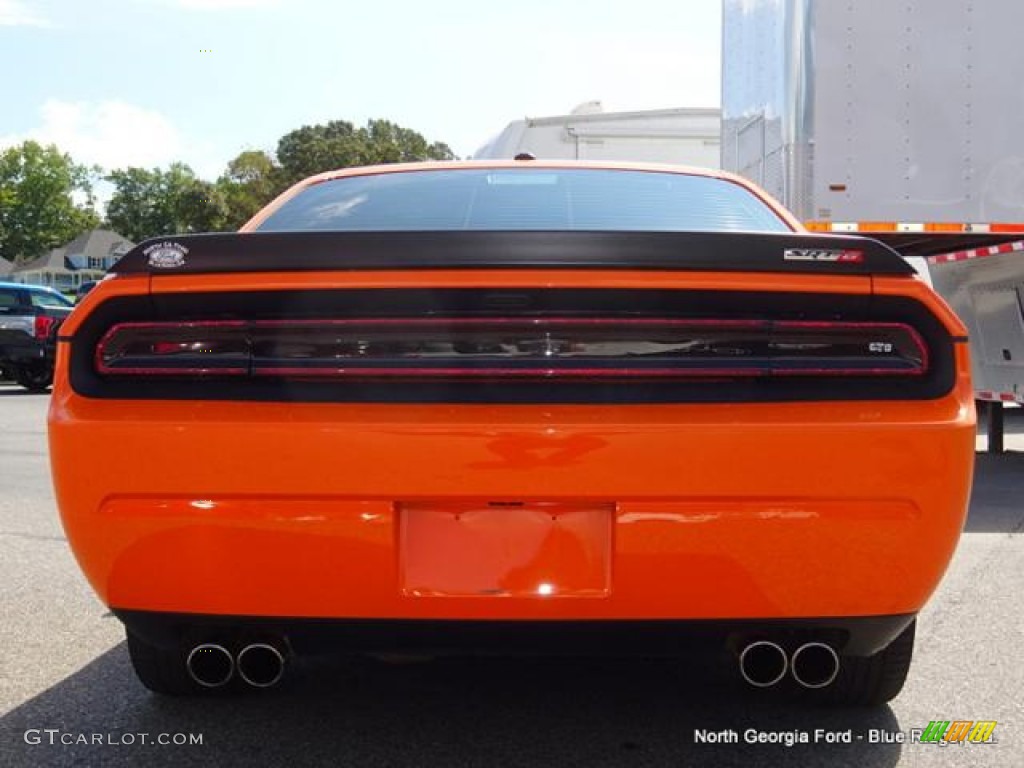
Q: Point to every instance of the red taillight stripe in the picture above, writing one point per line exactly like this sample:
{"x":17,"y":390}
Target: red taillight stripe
{"x":239,"y":358}
{"x":581,"y":373}
{"x":498,"y":322}
{"x":483,"y":373}
{"x":872,"y":326}
{"x":186,"y":371}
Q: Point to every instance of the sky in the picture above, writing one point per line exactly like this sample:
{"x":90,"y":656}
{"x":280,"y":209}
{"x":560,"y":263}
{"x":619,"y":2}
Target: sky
{"x":120,"y":83}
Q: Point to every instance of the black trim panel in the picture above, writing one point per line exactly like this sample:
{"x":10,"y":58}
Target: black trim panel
{"x":481,"y":303}
{"x":684,"y":251}
{"x":855,"y":636}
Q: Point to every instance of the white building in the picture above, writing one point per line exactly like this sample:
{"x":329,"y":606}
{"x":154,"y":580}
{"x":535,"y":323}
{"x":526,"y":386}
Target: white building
{"x":681,"y":136}
{"x":87,"y":257}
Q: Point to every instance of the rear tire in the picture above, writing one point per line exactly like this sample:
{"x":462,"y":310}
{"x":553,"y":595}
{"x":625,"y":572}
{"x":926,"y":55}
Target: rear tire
{"x":872,"y":680}
{"x":35,"y":378}
{"x":161,"y":670}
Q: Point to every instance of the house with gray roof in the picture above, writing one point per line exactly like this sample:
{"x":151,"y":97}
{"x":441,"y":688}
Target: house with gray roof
{"x":87,"y":257}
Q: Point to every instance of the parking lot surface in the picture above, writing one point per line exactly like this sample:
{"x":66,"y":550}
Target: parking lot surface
{"x":69,"y":697}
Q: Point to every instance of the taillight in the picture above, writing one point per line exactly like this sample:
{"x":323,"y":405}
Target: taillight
{"x":515,"y":348}
{"x":44,"y":326}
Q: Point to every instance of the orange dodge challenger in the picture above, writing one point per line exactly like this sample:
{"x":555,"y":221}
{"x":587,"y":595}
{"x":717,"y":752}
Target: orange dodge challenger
{"x":515,"y":406}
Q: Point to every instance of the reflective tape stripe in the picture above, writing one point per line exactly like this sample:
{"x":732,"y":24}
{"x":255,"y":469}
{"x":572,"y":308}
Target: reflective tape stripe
{"x":977,"y":253}
{"x":952,"y":227}
{"x":999,"y":397}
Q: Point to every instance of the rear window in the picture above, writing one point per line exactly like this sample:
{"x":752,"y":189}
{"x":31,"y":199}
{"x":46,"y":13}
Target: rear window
{"x":526,"y":199}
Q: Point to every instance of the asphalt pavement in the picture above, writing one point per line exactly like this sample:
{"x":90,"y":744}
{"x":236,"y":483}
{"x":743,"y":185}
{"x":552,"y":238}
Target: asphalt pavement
{"x":69,"y":697}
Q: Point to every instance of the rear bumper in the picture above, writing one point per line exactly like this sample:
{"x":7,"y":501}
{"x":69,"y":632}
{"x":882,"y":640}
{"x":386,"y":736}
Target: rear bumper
{"x":714,"y":512}
{"x":861,"y":636}
{"x":18,"y":354}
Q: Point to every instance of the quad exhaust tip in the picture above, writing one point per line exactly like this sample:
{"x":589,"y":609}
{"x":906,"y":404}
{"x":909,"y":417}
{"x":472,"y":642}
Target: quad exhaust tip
{"x":815,"y":665}
{"x":261,"y":665}
{"x":763,"y":663}
{"x":210,"y":665}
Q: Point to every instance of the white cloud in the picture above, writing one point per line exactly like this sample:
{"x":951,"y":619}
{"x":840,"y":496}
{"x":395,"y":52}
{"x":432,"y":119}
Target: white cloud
{"x":111,"y":134}
{"x":114,"y":134}
{"x":14,"y":13}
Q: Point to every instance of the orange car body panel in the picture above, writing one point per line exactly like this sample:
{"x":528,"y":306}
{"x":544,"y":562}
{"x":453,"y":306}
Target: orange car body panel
{"x":639,"y":511}
{"x":724,"y":510}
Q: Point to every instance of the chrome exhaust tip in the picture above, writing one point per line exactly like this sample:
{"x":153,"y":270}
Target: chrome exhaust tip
{"x":261,"y":665}
{"x":210,"y":665}
{"x":763,"y":663}
{"x":815,"y":665}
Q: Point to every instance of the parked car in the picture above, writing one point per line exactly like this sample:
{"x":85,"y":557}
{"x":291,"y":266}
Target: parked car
{"x":29,"y":318}
{"x":515,"y":406}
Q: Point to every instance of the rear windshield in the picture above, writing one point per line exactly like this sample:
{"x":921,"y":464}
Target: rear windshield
{"x":526,"y":199}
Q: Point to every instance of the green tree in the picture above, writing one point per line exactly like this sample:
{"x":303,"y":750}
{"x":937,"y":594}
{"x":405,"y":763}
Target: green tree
{"x":154,"y":202}
{"x":386,"y":142}
{"x":38,"y":208}
{"x":251,"y":181}
{"x":338,"y":144}
{"x":150,"y":203}
{"x":313,"y":149}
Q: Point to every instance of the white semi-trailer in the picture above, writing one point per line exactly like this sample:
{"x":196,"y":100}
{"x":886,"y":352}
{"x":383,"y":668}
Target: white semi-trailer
{"x":903,"y":121}
{"x":681,"y":136}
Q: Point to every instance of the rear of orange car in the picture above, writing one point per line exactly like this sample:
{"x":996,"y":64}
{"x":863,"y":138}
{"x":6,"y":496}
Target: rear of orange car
{"x":515,"y":407}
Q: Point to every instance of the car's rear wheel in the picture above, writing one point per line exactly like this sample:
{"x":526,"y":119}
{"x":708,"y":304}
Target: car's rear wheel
{"x":162,"y":670}
{"x":871,"y":680}
{"x":36,"y":378}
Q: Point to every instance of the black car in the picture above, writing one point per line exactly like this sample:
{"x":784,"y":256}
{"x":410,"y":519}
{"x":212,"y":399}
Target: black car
{"x":29,"y":318}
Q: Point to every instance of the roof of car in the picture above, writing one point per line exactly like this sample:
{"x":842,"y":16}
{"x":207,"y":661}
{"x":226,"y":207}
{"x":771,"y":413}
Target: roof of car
{"x":28,"y":287}
{"x":448,"y":165}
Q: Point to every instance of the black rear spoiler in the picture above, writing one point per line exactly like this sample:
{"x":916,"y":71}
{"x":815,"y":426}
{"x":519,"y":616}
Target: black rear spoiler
{"x":937,"y":243}
{"x":671,"y":251}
